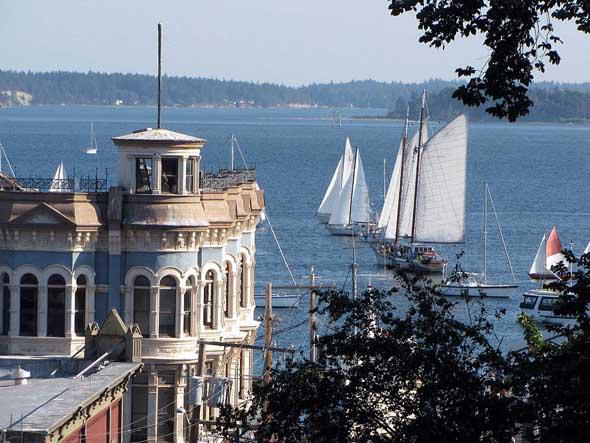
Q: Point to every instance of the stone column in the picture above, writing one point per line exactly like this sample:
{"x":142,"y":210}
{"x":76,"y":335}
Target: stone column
{"x":155,"y":308}
{"x":182,"y":176}
{"x":180,"y":311}
{"x":70,"y":311}
{"x":196,"y":307}
{"x":234,"y":301}
{"x":199,"y":307}
{"x":180,"y":421}
{"x":42,"y":312}
{"x":248,"y":285}
{"x":90,"y":303}
{"x":218,"y":317}
{"x":14,"y":311}
{"x":152,"y":417}
{"x":156,"y":174}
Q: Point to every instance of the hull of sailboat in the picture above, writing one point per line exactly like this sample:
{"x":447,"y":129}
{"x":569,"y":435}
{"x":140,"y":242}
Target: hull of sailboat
{"x":90,"y":151}
{"x":344,"y":230}
{"x":480,"y":290}
{"x":542,"y":276}
{"x":409,"y":264}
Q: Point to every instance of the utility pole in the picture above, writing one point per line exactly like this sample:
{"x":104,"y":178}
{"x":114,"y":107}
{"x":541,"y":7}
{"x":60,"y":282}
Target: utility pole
{"x":313,"y":329}
{"x":159,"y":72}
{"x":267,"y":334}
{"x":196,"y":412}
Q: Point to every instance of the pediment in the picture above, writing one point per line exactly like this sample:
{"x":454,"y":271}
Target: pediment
{"x":42,"y":214}
{"x":113,"y":325}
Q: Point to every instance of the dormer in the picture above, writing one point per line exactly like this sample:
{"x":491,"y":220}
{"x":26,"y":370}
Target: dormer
{"x":159,"y":161}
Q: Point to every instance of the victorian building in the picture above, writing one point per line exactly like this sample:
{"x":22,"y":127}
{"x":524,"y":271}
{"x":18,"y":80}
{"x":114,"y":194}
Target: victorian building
{"x":171,"y":249}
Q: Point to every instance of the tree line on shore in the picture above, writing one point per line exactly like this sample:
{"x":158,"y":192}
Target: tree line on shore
{"x":553,"y":101}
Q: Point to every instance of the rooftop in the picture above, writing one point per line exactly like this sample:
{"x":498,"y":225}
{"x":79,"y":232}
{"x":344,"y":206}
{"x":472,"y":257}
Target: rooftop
{"x":42,"y":404}
{"x":157,"y":136}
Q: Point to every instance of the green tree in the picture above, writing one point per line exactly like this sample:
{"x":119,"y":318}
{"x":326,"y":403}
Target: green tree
{"x":520,"y":36}
{"x":554,"y":376}
{"x":387,"y":374}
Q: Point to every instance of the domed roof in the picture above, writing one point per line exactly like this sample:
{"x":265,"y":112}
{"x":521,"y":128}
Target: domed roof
{"x":157,"y":136}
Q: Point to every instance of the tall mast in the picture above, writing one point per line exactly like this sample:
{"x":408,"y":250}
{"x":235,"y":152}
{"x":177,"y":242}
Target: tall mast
{"x":401,"y":176}
{"x":418,"y":166}
{"x":485,"y":233}
{"x":356,"y":154}
{"x":159,"y":73}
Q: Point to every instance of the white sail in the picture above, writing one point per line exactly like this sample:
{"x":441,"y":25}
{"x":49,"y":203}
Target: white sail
{"x":440,"y":200}
{"x":341,"y":213}
{"x":333,"y":191}
{"x":347,"y":161}
{"x":407,"y":194}
{"x":392,"y":189}
{"x":587,"y":248}
{"x":339,"y":177}
{"x":538,"y":266}
{"x":359,"y":209}
{"x":58,"y":183}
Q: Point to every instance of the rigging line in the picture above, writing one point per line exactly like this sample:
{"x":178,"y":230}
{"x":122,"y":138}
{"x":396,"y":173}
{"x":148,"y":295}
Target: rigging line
{"x":501,"y":234}
{"x":281,"y":252}
{"x":7,"y":159}
{"x":240,"y":151}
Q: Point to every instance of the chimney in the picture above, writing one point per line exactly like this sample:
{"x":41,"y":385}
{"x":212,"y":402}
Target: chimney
{"x":20,"y":376}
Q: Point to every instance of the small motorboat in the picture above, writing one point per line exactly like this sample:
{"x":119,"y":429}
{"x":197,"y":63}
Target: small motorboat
{"x":540,"y":303}
{"x":279,"y":300}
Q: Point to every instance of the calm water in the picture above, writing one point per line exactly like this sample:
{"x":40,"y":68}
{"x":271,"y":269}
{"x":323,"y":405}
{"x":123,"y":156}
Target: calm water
{"x":537,"y":173}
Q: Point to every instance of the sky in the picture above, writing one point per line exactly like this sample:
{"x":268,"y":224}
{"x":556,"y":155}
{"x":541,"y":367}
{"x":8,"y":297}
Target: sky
{"x":287,"y":42}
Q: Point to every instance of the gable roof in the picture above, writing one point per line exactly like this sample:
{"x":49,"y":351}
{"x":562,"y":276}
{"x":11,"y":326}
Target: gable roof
{"x":42,"y":214}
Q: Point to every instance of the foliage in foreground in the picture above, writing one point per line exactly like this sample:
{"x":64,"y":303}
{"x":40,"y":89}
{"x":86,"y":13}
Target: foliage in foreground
{"x":418,"y":374}
{"x":386,"y":374}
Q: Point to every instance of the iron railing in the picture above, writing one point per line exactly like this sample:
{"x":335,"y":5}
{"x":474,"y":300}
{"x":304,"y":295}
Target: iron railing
{"x":43,"y":184}
{"x":225,"y":178}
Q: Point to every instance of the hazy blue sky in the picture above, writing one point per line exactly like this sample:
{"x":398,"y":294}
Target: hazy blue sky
{"x":292,"y":42}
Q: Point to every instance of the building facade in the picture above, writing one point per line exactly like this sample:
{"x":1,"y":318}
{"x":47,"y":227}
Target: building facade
{"x":172,"y":249}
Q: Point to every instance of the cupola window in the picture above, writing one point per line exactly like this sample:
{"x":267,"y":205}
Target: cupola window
{"x":80,"y":305}
{"x":141,"y":304}
{"x":56,"y":306}
{"x":208,"y":300}
{"x":143,"y":175}
{"x":169,"y":182}
{"x":167,"y":327}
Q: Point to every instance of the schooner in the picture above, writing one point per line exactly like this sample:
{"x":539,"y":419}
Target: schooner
{"x":351,"y":211}
{"x":425,"y":200}
{"x":338,"y":180}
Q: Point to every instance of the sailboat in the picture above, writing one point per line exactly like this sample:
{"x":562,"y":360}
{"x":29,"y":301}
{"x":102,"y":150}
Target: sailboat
{"x":59,"y":182}
{"x":338,"y":180}
{"x":548,"y":254}
{"x":425,"y":202}
{"x":477,"y":285}
{"x":351,"y":211}
{"x":93,"y":146}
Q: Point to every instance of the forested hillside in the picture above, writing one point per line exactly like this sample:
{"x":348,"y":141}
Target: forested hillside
{"x":553,"y":102}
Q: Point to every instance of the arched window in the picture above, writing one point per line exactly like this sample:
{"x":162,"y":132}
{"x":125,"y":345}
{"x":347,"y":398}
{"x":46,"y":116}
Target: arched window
{"x":167,"y":313}
{"x":208,"y":300}
{"x":243,"y":282}
{"x":56,"y":306}
{"x":188,"y":306}
{"x":141,"y":304}
{"x":80,"y":306}
{"x":226,"y":308}
{"x":5,"y":304}
{"x":29,"y":290}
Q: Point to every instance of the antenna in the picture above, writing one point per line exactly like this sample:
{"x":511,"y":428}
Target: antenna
{"x":159,"y":74}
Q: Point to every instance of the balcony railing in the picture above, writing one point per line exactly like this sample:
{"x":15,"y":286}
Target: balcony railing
{"x":43,"y":184}
{"x":226,"y":178}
